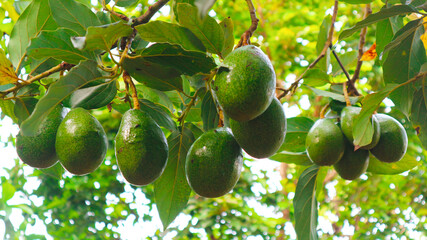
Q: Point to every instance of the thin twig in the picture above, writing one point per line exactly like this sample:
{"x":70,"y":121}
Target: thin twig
{"x":328,"y":43}
{"x":362,"y":41}
{"x":323,"y":111}
{"x":58,"y":68}
{"x":246,"y":37}
{"x":144,"y":18}
{"x":350,"y":85}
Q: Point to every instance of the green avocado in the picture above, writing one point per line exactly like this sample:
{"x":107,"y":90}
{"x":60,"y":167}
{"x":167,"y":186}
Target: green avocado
{"x":325,"y":143}
{"x":353,"y":163}
{"x":214,"y":163}
{"x":393,"y":140}
{"x":39,"y":150}
{"x":262,"y":136}
{"x":245,"y":84}
{"x":347,"y":119}
{"x":141,"y":148}
{"x":81,"y":142}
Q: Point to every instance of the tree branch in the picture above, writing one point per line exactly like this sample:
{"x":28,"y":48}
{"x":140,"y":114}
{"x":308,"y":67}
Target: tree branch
{"x":328,"y":43}
{"x":128,"y":79}
{"x":362,"y":40}
{"x":350,"y":88}
{"x":246,"y":37}
{"x":144,"y":18}
{"x":58,"y":68}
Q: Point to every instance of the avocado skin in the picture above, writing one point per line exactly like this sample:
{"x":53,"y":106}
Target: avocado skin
{"x":393,"y":141}
{"x":347,"y":119}
{"x":214,"y":163}
{"x":262,"y":136}
{"x":38,"y":151}
{"x":325,"y":143}
{"x":353,"y":163}
{"x":245,"y":85}
{"x":141,"y":148}
{"x":81,"y":142}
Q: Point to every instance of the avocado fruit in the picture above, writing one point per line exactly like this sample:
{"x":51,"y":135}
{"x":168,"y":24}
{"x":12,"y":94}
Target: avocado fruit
{"x":244,"y":85}
{"x":353,"y":163}
{"x":347,"y":119}
{"x":393,"y":141}
{"x":214,"y":162}
{"x":81,"y":142}
{"x":325,"y":143}
{"x":262,"y":136}
{"x":141,"y":148}
{"x":38,"y":151}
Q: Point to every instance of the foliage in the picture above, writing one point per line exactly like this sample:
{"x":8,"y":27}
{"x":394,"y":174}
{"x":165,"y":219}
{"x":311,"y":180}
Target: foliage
{"x":80,"y":54}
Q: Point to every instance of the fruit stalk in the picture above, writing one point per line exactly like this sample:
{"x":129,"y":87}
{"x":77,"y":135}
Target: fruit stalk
{"x":128,"y":79}
{"x":246,"y":37}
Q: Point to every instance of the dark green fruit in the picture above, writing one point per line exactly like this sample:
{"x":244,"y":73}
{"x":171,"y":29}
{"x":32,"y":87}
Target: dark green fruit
{"x":325,"y":143}
{"x":347,"y":119}
{"x":353,"y":163}
{"x":245,"y":85}
{"x":262,"y":136}
{"x":141,"y":148}
{"x":39,"y":150}
{"x":81,"y":142}
{"x":393,"y":140}
{"x":214,"y":163}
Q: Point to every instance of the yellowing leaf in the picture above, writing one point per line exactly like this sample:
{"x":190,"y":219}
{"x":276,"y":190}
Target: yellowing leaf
{"x":424,"y":36}
{"x":371,"y":54}
{"x":7,"y":74}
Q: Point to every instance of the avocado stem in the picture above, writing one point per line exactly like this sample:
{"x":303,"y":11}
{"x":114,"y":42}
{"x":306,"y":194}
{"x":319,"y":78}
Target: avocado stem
{"x":128,"y":79}
{"x":246,"y":36}
{"x":323,"y":111}
{"x":347,"y":99}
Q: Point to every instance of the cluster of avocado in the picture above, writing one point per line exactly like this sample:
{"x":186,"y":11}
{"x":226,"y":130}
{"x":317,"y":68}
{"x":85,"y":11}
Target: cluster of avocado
{"x":327,"y":144}
{"x":244,"y":87}
{"x":78,"y":141}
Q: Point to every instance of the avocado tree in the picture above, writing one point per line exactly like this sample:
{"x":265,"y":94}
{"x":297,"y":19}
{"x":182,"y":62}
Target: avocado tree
{"x":103,"y":84}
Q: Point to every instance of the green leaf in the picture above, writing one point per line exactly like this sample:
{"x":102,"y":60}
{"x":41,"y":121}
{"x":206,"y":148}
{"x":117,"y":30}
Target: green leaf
{"x":86,"y":72}
{"x":408,"y":51}
{"x":164,"y":32}
{"x":362,"y":121}
{"x":305,"y":205}
{"x":203,"y":6}
{"x":102,"y":37}
{"x":207,"y":30}
{"x":175,"y":6}
{"x":36,"y":17}
{"x":316,"y":77}
{"x":209,"y":112}
{"x":7,"y":107}
{"x":405,"y":164}
{"x":57,"y":44}
{"x":403,"y":62}
{"x":24,"y":107}
{"x":419,"y":114}
{"x":92,"y":97}
{"x":73,"y":15}
{"x":171,"y":190}
{"x":321,"y":41}
{"x":386,"y":30}
{"x":299,"y":124}
{"x":125,"y":3}
{"x":154,"y":95}
{"x":228,"y":28}
{"x":298,"y":158}
{"x":376,"y":17}
{"x":297,"y":129}
{"x":332,"y":95}
{"x":56,"y":171}
{"x":186,"y":62}
{"x":151,"y":74}
{"x":8,"y":190}
{"x":158,"y":114}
